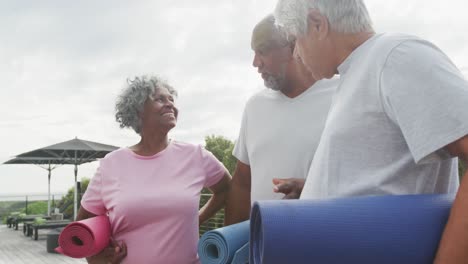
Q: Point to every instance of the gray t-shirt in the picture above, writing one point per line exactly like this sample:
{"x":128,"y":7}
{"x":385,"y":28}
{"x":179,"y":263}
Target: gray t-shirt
{"x":400,"y":101}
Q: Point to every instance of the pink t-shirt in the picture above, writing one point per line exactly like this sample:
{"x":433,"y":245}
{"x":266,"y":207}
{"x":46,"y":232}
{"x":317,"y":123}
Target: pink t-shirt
{"x":152,"y":202}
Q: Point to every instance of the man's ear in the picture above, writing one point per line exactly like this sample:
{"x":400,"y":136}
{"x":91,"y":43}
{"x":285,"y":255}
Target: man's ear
{"x":317,"y":24}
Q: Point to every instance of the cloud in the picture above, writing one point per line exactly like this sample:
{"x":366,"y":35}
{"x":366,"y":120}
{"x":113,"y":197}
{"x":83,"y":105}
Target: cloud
{"x":443,"y":24}
{"x":64,"y":64}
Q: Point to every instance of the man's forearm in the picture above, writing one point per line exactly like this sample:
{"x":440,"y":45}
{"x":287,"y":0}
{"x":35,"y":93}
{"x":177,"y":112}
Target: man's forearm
{"x":453,"y":247}
{"x":237,"y":205}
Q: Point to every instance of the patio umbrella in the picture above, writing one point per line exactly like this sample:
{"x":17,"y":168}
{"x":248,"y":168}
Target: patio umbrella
{"x":73,"y":152}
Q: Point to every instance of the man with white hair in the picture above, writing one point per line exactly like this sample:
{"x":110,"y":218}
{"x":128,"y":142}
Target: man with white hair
{"x":398,"y":119}
{"x":281,"y":126}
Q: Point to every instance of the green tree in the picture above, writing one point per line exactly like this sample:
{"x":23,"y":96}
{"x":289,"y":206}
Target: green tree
{"x":38,"y":207}
{"x":461,"y":168}
{"x":221,"y":148}
{"x":67,"y":200}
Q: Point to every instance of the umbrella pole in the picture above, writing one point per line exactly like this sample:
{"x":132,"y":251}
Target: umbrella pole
{"x":48,"y":193}
{"x":75,"y":198}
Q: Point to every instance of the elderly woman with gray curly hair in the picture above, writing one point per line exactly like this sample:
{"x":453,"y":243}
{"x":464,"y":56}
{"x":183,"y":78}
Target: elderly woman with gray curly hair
{"x":151,"y":190}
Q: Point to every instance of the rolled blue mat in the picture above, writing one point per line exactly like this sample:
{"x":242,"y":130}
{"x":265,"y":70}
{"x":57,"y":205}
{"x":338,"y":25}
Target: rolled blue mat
{"x":220,"y":245}
{"x":242,"y":255}
{"x":360,"y":230}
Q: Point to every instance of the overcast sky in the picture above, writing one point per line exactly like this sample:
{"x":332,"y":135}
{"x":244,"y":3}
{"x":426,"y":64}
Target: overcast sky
{"x":62,"y":63}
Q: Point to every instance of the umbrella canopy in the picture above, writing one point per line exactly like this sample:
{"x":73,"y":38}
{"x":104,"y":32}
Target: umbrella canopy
{"x":73,"y":152}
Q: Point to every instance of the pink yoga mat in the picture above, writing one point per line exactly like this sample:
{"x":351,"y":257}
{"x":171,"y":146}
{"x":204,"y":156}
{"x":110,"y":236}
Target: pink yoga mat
{"x":85,"y":238}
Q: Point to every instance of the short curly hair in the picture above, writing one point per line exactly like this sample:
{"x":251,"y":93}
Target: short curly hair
{"x":132,"y":99}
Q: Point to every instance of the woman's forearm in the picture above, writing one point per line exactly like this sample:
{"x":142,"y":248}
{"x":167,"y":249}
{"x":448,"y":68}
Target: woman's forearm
{"x":214,"y":204}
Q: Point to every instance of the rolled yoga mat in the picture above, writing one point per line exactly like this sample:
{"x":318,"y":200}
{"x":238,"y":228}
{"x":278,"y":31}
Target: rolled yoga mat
{"x":360,"y":230}
{"x":85,"y":238}
{"x":219,"y":246}
{"x":242,"y":255}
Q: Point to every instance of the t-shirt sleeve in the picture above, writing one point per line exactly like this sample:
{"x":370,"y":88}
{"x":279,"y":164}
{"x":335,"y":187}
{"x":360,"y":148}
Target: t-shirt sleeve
{"x":240,"y":147}
{"x":92,"y":199}
{"x":425,"y":94}
{"x":214,"y":169}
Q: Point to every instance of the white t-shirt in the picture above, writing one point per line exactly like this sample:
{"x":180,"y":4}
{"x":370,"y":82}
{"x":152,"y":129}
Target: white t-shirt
{"x":399,"y":102}
{"x":279,"y":135}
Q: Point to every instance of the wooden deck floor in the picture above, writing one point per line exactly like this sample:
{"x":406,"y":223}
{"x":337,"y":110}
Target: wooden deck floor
{"x":15,"y":248}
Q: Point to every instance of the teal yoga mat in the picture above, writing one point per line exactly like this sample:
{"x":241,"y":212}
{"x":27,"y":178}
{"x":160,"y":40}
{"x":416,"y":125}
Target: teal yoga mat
{"x":362,"y":230}
{"x":223,"y":245}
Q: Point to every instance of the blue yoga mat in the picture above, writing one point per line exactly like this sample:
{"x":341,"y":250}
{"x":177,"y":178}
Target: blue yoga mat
{"x":361,"y":230}
{"x":242,"y":255}
{"x":219,"y":246}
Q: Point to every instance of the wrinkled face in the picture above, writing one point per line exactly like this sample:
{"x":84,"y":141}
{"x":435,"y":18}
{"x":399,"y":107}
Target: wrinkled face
{"x":309,"y":51}
{"x":159,"y":110}
{"x":272,"y":62}
{"x":315,"y":48}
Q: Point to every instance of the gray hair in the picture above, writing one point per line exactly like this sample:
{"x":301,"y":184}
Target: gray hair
{"x":132,"y":99}
{"x":344,"y":16}
{"x":266,"y":34}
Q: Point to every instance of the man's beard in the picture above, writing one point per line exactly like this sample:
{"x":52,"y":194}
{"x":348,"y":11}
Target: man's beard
{"x":275,"y":83}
